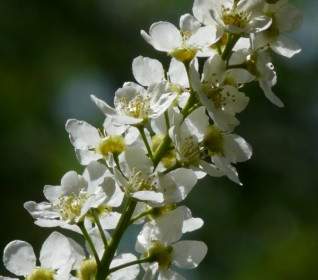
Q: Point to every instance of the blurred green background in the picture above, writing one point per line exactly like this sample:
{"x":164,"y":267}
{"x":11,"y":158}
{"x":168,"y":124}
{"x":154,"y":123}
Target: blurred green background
{"x":53,"y":54}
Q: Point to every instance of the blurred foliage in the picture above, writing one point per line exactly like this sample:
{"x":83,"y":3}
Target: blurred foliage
{"x":53,"y":54}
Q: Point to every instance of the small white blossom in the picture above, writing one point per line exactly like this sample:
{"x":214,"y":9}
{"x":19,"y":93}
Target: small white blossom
{"x":56,"y":259}
{"x":183,"y":44}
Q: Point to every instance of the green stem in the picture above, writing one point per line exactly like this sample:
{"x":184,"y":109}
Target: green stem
{"x":89,"y":241}
{"x":233,"y":38}
{"x":161,"y":151}
{"x":140,"y":261}
{"x":141,"y":215}
{"x":103,"y":269}
{"x":167,"y":121}
{"x":144,"y":138}
{"x":100,"y":228}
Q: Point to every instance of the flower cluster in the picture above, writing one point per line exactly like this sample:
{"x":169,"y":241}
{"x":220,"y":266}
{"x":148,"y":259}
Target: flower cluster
{"x":166,"y":130}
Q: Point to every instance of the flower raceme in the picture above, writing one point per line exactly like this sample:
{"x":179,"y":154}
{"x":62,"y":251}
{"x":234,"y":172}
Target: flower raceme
{"x":164,"y":132}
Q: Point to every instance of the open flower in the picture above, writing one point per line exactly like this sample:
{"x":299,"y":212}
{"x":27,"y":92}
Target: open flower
{"x":136,"y":176}
{"x":56,"y":259}
{"x":91,"y":144}
{"x":184,"y":44}
{"x":135,"y":105}
{"x":160,"y":242}
{"x":235,"y":16}
{"x":219,"y":91}
{"x":69,"y":203}
{"x":285,"y":18}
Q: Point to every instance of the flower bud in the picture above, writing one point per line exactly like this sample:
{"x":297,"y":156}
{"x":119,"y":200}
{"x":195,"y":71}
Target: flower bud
{"x":111,"y":145}
{"x":87,"y":270}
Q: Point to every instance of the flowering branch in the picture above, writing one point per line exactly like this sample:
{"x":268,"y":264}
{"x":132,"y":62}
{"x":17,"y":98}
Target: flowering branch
{"x":166,"y":131}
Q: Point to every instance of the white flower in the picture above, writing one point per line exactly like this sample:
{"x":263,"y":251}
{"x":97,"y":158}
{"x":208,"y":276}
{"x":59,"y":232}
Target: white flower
{"x":135,"y":105}
{"x":137,"y":178}
{"x":219,"y":91}
{"x":224,"y":149}
{"x":91,"y":144}
{"x":183,"y":44}
{"x":285,"y":18}
{"x":148,"y":71}
{"x":235,"y":16}
{"x":69,"y":203}
{"x":56,"y":259}
{"x":258,"y":62}
{"x":161,"y":242}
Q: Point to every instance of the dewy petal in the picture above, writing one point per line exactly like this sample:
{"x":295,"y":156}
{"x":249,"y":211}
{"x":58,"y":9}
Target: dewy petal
{"x":82,"y":134}
{"x":188,"y":23}
{"x":204,"y":37}
{"x":163,"y":36}
{"x":128,"y":273}
{"x":56,"y":251}
{"x":19,"y":258}
{"x":189,"y":254}
{"x":103,"y":106}
{"x":147,"y":71}
{"x":285,"y":46}
{"x":150,"y":196}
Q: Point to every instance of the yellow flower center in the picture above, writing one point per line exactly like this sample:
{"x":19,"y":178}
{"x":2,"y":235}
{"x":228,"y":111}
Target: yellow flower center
{"x":138,"y":107}
{"x":214,"y":141}
{"x":111,"y":145}
{"x":161,"y":254}
{"x":185,"y":54}
{"x":139,"y":182}
{"x":87,"y":270}
{"x":190,"y":151}
{"x":234,"y":17}
{"x":41,"y":274}
{"x":213,"y":92}
{"x":70,"y":206}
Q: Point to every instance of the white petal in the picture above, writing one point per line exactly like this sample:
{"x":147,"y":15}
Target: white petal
{"x":204,"y":37}
{"x":85,"y":157}
{"x":128,"y":273}
{"x":201,"y":10}
{"x":71,"y":182}
{"x":94,"y":174}
{"x":192,"y":224}
{"x":150,"y":196}
{"x":288,"y":17}
{"x":41,"y":210}
{"x":189,"y":254}
{"x":198,"y":122}
{"x":82,"y":134}
{"x":260,"y":23}
{"x":55,"y":252}
{"x":110,"y":220}
{"x":188,"y":23}
{"x":162,"y":104}
{"x":285,"y":47}
{"x":270,"y":95}
{"x":177,"y":73}
{"x":229,"y":170}
{"x":169,"y":274}
{"x":19,"y":258}
{"x":147,"y":71}
{"x":214,"y":69}
{"x":137,"y":159}
{"x":103,"y":106}
{"x":163,"y":36}
{"x":52,"y":193}
{"x":211,"y":169}
{"x":240,"y":76}
{"x":236,"y":148}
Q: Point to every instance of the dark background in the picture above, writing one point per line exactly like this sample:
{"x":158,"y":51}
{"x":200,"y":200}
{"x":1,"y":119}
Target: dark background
{"x":53,"y":54}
